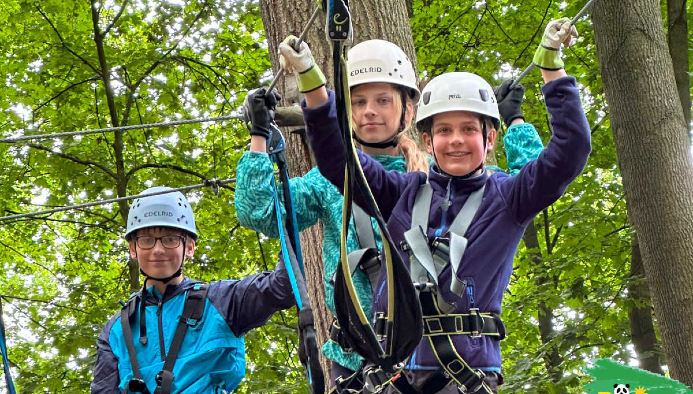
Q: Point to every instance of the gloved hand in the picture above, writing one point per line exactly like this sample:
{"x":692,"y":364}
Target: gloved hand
{"x":509,"y":101}
{"x":548,"y":54}
{"x":302,"y":64}
{"x":256,"y":109}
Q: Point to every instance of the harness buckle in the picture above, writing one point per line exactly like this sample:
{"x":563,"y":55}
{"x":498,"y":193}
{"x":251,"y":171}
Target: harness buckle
{"x":474,"y":319}
{"x":188,"y":321}
{"x":137,"y":386}
{"x":474,"y":383}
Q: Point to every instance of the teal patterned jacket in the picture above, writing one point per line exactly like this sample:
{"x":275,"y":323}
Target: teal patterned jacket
{"x":315,"y":198}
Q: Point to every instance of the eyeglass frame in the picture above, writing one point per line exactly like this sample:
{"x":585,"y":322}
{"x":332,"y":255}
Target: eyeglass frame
{"x":160,"y":239}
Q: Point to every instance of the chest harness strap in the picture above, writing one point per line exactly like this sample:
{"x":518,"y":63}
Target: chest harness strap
{"x":427,"y":261}
{"x":193,"y":309}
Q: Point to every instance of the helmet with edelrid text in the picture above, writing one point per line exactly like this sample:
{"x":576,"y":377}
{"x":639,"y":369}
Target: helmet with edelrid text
{"x":457,"y":91}
{"x":162,"y":210}
{"x":375,"y":61}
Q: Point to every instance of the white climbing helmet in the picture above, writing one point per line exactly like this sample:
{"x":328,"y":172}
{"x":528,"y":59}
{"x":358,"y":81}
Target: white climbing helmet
{"x":162,"y":210}
{"x":381,"y":61}
{"x":457,"y":91}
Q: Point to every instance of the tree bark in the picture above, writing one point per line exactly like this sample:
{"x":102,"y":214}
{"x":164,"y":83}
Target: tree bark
{"x":382,"y":19}
{"x":653,"y":150}
{"x":677,"y":39}
{"x":118,"y":145}
{"x":641,"y":325}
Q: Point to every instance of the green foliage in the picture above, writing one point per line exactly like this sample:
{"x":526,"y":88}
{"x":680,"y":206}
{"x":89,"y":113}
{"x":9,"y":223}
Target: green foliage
{"x":62,"y":274}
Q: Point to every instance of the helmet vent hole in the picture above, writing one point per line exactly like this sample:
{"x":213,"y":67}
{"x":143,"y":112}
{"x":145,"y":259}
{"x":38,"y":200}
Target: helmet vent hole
{"x":426,"y":97}
{"x":401,"y":76}
{"x":395,"y":70}
{"x":484,"y":94}
{"x":390,"y":74}
{"x":180,"y":205}
{"x":399,"y":62}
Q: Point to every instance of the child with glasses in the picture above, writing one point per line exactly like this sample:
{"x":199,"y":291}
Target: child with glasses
{"x":176,"y":334}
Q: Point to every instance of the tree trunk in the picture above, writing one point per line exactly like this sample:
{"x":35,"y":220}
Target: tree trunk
{"x":677,"y":38}
{"x":653,"y":150}
{"x":383,"y":19}
{"x":552,"y":360}
{"x":641,"y":326}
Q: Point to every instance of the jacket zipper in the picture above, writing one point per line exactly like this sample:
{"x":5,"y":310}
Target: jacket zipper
{"x":444,"y":207}
{"x":470,"y":295}
{"x":162,"y":348}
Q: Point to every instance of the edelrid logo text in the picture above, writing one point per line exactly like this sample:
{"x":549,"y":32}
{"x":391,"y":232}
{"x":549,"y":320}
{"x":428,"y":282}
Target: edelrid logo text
{"x":454,"y":96}
{"x":157,"y":213}
{"x":365,"y":70}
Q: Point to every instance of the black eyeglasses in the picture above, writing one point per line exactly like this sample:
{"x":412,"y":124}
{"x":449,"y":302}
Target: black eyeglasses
{"x":147,"y":242}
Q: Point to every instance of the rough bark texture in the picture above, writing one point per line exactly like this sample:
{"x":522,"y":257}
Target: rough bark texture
{"x":383,"y":19}
{"x":642,"y":330}
{"x":677,"y":38}
{"x":552,"y":360}
{"x":653,"y":150}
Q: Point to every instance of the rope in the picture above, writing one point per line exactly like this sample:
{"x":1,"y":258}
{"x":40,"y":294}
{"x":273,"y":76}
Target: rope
{"x":213,"y":183}
{"x":12,"y":140}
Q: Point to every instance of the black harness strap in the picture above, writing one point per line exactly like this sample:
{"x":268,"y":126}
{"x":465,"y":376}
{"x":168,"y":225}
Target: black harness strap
{"x":136,"y":384}
{"x":453,"y":365}
{"x":193,"y":310}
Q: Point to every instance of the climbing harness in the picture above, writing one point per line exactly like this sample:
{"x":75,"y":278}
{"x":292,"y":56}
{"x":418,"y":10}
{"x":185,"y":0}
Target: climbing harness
{"x":427,"y":260}
{"x":3,"y":350}
{"x":531,"y":66}
{"x":193,"y":311}
{"x":403,"y":308}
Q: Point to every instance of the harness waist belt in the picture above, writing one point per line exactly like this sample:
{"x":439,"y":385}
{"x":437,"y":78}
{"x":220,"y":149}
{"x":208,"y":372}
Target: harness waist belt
{"x":474,"y":324}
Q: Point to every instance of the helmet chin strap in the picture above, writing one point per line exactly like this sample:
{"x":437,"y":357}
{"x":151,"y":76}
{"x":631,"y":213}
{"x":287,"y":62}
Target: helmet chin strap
{"x":143,"y":302}
{"x":470,"y":174}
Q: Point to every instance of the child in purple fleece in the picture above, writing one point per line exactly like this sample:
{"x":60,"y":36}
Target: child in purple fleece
{"x":458,"y":117}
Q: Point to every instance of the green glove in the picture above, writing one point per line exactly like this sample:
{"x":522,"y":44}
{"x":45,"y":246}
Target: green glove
{"x":548,"y":54}
{"x":302,"y":64}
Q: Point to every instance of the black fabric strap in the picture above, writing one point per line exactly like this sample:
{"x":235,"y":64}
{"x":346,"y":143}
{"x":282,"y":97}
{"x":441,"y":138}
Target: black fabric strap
{"x":136,"y":385}
{"x":468,"y":380}
{"x":193,"y":310}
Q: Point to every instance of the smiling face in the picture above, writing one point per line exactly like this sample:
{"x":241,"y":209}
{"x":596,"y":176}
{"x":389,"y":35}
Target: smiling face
{"x":376,"y":111}
{"x":457,"y":144}
{"x":160,"y":262}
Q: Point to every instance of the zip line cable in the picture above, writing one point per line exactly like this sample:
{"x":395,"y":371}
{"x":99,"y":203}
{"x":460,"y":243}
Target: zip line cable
{"x":10,"y":140}
{"x":213,"y":183}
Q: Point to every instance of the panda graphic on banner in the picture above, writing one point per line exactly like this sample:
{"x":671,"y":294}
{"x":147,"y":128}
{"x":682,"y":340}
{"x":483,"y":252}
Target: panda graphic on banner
{"x":621,"y":389}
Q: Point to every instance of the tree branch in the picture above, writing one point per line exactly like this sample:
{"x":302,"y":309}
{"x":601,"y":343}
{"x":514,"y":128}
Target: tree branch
{"x":63,"y":91}
{"x":44,"y":302}
{"x":543,"y":18}
{"x":75,"y":159}
{"x":64,"y":44}
{"x":165,"y":55}
{"x":115,"y":19}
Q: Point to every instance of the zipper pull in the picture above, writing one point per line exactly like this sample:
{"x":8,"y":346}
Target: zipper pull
{"x":446,"y":204}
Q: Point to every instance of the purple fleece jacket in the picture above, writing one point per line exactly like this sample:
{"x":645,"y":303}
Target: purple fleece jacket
{"x":509,"y":203}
